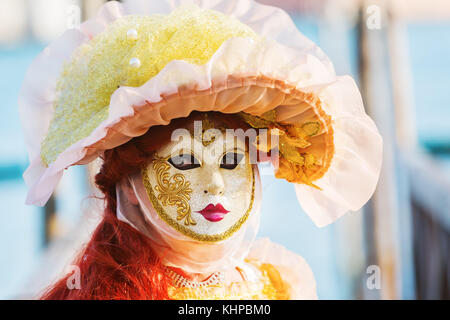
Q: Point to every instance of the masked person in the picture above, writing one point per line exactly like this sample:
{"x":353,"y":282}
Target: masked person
{"x":181,"y":103}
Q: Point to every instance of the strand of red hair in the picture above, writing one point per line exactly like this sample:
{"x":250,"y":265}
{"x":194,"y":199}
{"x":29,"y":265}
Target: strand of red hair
{"x":117,"y":262}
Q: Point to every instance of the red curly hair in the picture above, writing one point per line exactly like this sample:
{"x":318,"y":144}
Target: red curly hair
{"x":117,"y":262}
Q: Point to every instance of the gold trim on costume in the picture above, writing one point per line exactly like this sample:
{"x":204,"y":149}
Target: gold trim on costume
{"x":270,"y":285}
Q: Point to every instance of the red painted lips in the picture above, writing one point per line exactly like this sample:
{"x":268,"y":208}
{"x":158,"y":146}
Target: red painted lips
{"x":213,"y":213}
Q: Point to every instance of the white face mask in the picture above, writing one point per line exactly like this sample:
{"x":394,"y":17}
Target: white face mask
{"x":176,"y":249}
{"x":202,"y":186}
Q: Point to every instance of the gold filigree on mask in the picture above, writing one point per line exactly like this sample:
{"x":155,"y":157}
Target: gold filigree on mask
{"x":173,"y":190}
{"x":157,"y":204}
{"x":207,"y":137}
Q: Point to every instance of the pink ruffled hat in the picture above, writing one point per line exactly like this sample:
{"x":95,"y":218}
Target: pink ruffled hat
{"x":144,"y":63}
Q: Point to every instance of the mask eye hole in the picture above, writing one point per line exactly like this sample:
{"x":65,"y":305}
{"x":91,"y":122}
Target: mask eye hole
{"x":184,"y":162}
{"x":231,"y":160}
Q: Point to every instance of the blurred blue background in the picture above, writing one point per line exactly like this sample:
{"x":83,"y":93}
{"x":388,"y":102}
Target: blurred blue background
{"x":338,"y":254}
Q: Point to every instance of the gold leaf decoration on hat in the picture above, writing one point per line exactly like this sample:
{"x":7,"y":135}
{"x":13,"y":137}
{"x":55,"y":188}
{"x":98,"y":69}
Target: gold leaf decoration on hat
{"x":294,"y":163}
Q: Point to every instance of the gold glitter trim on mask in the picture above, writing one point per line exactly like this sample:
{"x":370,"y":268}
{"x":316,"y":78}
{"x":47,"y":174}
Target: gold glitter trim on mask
{"x":206,"y":125}
{"x":173,"y":190}
{"x":187,"y":231}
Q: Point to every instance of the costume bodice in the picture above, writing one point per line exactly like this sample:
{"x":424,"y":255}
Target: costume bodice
{"x":267,"y":284}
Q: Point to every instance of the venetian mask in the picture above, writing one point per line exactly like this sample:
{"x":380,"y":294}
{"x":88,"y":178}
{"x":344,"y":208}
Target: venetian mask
{"x":201,"y":182}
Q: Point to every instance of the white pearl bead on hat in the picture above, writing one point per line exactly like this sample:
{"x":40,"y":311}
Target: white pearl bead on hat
{"x":135,"y":62}
{"x":132,"y":34}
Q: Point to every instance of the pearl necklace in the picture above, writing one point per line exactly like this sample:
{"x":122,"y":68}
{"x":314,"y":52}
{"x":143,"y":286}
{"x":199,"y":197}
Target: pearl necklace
{"x":179,"y":281}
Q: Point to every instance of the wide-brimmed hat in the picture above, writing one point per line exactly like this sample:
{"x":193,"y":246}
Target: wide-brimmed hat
{"x":144,"y":63}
